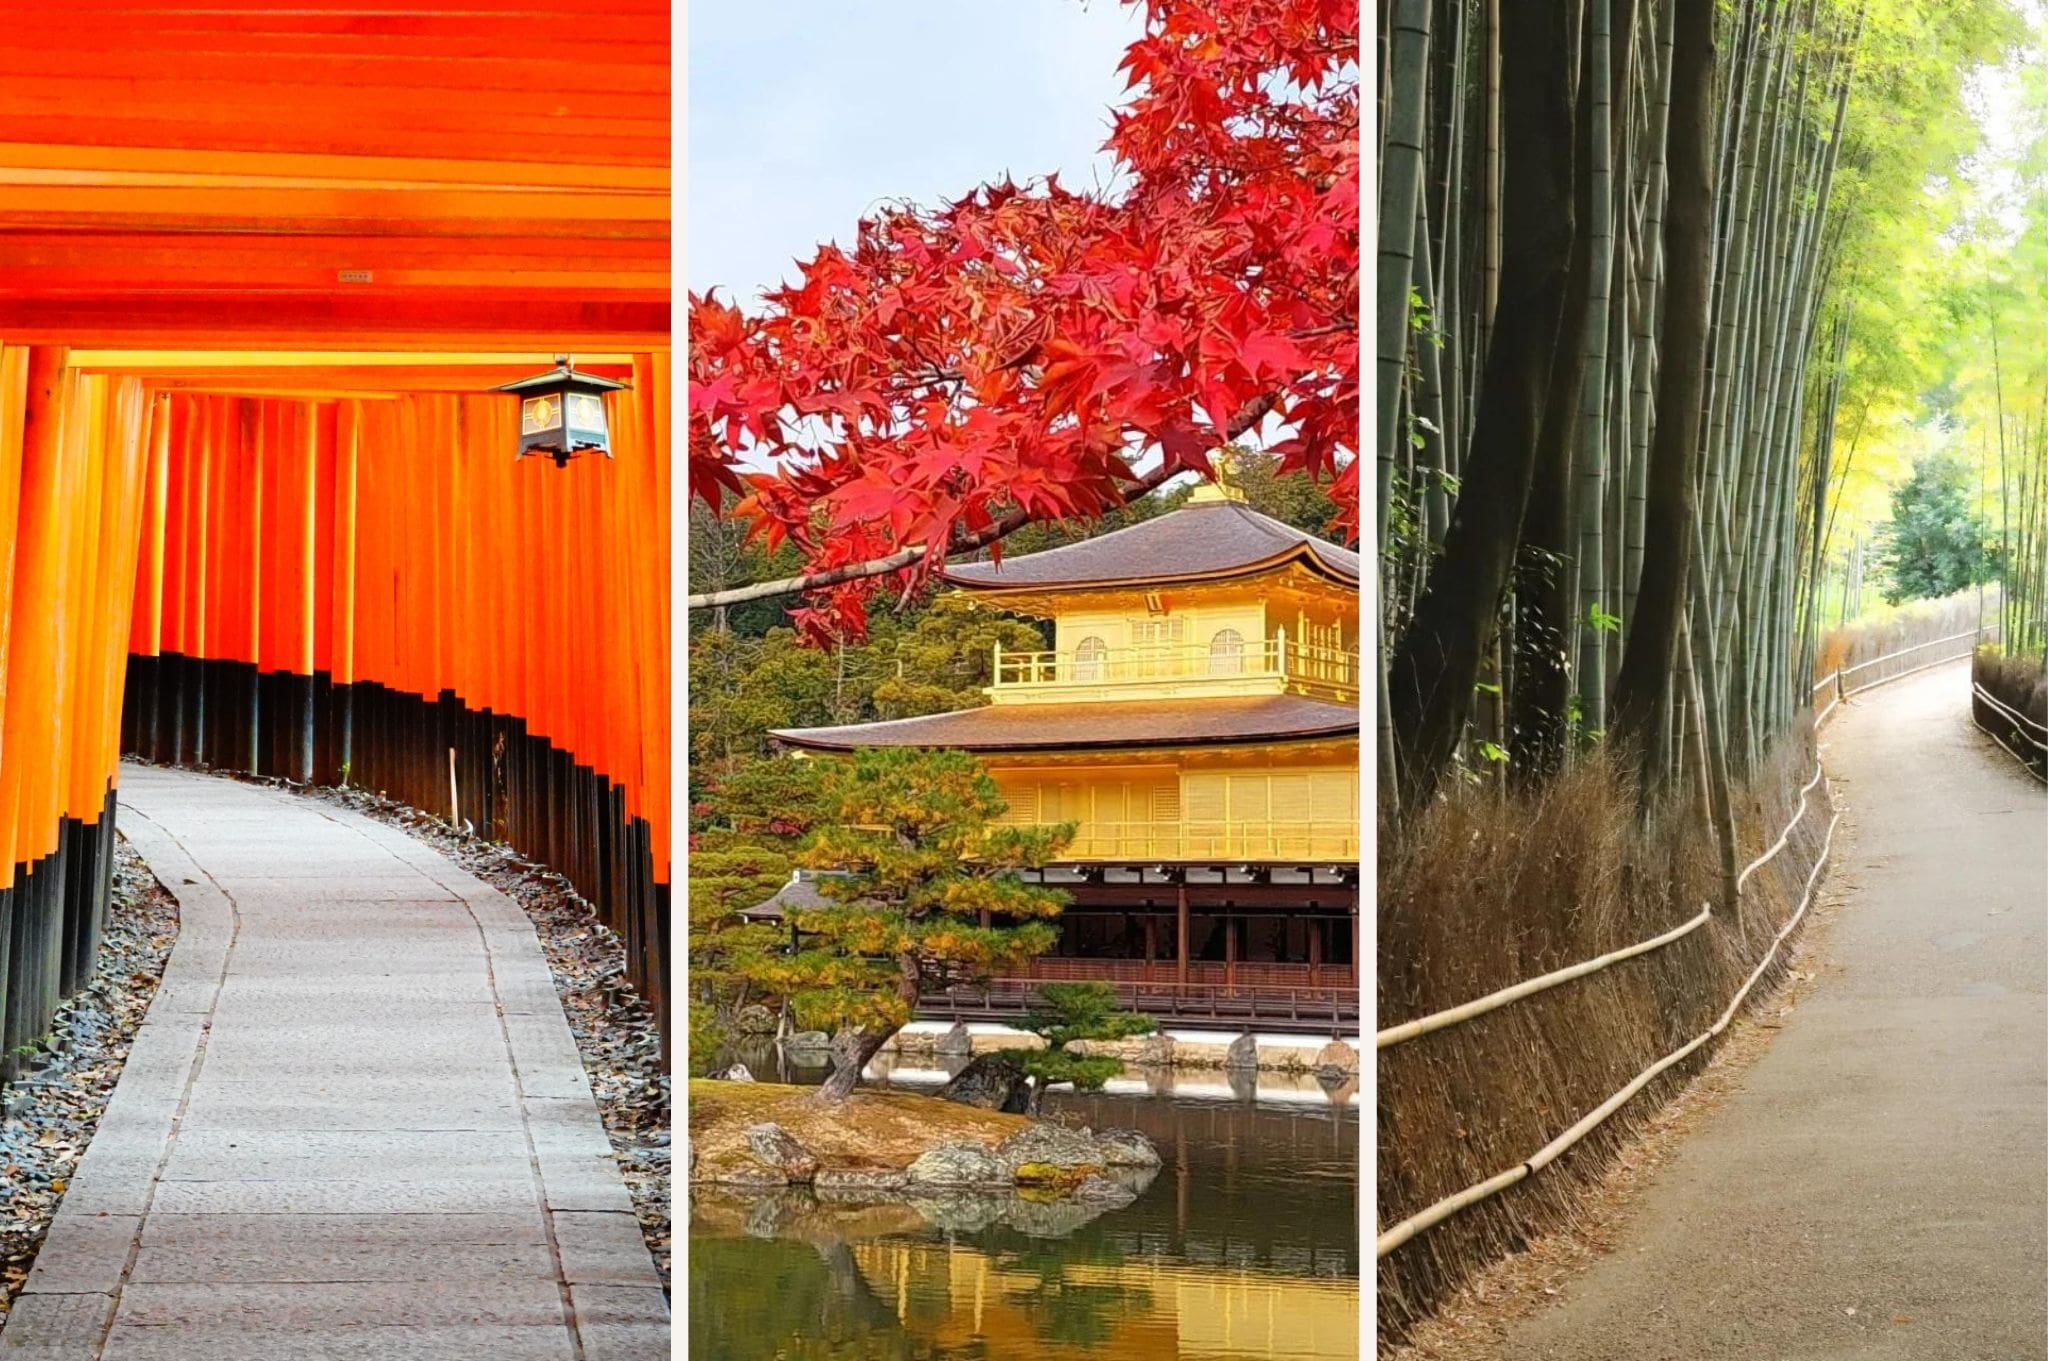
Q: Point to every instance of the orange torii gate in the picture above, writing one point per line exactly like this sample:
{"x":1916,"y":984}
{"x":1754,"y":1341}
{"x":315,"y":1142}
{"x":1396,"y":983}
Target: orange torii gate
{"x":258,"y":508}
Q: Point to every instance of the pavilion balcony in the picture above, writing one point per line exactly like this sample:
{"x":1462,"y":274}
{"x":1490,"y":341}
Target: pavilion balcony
{"x":1261,"y":666}
{"x":1212,"y":997}
{"x":1198,"y":842}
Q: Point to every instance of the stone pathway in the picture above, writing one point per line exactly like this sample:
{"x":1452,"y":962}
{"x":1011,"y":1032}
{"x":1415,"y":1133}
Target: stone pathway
{"x":353,"y":1126}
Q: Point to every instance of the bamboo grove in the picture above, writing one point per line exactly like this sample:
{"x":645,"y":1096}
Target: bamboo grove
{"x":1620,"y":255}
{"x":2022,"y":521}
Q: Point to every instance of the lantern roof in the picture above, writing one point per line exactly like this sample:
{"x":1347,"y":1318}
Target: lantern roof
{"x":562,"y":375}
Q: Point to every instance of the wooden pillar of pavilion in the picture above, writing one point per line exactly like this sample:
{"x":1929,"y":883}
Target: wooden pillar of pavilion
{"x":1181,"y":928}
{"x":1230,"y":925}
{"x":1356,"y":942}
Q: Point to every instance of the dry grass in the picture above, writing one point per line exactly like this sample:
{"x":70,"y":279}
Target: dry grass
{"x":1479,"y":894}
{"x":2020,"y":683}
{"x":1892,"y":630}
{"x":2017,"y":681}
{"x":872,"y":1129}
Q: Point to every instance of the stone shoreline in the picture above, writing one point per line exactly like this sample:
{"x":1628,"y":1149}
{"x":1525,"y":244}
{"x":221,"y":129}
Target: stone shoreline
{"x":751,"y":1137}
{"x":1334,"y":1058}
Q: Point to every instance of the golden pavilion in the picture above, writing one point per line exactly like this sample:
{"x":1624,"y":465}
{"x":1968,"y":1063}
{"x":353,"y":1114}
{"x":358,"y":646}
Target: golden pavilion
{"x":1197,"y":717}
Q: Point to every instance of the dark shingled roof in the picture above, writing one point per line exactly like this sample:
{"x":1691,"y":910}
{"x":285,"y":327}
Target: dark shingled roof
{"x":1111,"y":724}
{"x":1198,"y":540}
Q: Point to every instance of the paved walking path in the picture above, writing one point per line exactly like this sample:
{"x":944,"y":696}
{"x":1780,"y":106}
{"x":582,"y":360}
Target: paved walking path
{"x":1877,"y":1188}
{"x":353,"y":1127}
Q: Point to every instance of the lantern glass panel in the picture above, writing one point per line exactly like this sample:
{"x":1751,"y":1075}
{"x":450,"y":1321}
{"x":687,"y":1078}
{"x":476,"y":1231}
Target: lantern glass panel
{"x":585,"y":412}
{"x":540,"y":413}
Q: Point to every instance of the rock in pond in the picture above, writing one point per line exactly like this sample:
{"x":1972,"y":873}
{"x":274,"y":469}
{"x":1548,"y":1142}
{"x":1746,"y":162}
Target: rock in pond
{"x":776,"y":1147}
{"x":1104,"y":1191}
{"x":960,"y":1211}
{"x":858,"y":1182}
{"x":1155,"y":1051}
{"x":1336,"y":1061}
{"x":808,"y":1042}
{"x":1049,"y":1146}
{"x":1126,"y":1148}
{"x":992,"y":1083}
{"x":958,"y":1162}
{"x":1243,"y":1054}
{"x":739,"y":1072}
{"x":740,"y":1173}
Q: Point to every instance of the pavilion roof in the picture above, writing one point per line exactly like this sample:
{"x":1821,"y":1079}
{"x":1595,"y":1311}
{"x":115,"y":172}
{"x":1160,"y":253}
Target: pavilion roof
{"x":1110,"y":725}
{"x":1200,"y":541}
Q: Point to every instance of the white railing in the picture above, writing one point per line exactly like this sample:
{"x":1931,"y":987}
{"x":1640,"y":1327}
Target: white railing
{"x":1840,"y":679}
{"x":1335,"y":668}
{"x":1435,"y":1214}
{"x":1450,"y":1016}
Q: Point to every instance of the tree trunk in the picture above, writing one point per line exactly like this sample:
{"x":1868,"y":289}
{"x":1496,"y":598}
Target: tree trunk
{"x":1542,"y":571}
{"x":1437,"y":664}
{"x":1670,"y":513}
{"x":851,"y":1053}
{"x":1400,"y":186}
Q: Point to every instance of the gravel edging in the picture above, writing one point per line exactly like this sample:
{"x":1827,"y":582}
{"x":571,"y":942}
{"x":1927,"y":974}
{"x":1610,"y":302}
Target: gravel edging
{"x":614,"y":1028}
{"x":52,"y":1112}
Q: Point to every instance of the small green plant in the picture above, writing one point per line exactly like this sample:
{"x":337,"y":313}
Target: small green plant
{"x":1069,"y":1012}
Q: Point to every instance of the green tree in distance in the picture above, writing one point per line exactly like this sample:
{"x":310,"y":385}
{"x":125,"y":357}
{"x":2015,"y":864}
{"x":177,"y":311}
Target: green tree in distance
{"x":1067,"y":1012}
{"x":744,"y":845}
{"x":930,"y":897}
{"x":1935,"y":543}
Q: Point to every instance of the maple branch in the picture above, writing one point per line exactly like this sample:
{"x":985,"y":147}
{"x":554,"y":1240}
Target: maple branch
{"x":1253,"y":412}
{"x":897,"y":561}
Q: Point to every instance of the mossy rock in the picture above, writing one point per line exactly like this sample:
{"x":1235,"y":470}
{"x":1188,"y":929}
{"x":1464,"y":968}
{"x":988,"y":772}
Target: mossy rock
{"x":1054,"y":1176}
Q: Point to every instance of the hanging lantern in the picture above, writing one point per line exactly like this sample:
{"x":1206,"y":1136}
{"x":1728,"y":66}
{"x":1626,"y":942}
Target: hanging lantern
{"x":561,"y":413}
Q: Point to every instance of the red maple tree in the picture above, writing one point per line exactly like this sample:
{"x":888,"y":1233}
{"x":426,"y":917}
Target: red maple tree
{"x":1022,"y":353}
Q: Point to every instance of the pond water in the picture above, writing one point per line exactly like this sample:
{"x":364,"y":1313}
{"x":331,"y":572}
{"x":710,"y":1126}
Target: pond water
{"x":1244,"y":1247}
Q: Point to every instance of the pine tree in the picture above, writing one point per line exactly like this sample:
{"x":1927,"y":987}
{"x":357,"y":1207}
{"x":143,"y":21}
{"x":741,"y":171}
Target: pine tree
{"x":1069,"y":1012}
{"x":930,"y":897}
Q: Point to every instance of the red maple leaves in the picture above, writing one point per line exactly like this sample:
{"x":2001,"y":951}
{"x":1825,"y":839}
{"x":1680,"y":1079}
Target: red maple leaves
{"x":1031,"y":349}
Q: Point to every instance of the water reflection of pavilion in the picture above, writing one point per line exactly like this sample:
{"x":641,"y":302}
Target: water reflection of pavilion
{"x":967,"y":1301}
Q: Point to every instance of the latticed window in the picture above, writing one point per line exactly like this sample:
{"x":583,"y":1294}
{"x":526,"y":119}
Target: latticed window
{"x":1226,"y":653}
{"x":1091,"y":659}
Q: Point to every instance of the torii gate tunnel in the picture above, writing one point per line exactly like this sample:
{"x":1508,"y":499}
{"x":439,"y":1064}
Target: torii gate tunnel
{"x":259,"y":511}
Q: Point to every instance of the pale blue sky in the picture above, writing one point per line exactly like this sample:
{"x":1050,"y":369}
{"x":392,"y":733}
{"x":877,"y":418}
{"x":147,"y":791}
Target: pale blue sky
{"x":803,"y":114}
